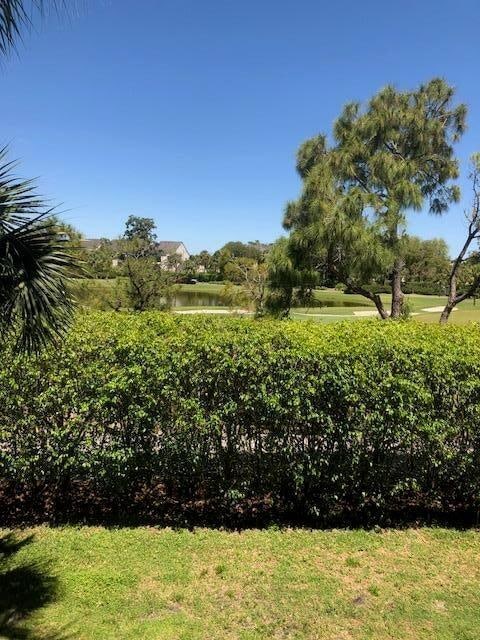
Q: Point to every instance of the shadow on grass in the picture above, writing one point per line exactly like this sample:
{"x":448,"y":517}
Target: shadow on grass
{"x":24,"y":588}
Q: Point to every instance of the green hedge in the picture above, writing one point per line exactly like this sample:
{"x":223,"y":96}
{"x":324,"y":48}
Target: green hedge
{"x":137,"y":412}
{"x":422,"y":288}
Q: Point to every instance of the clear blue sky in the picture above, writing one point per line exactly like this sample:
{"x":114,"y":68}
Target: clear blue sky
{"x":190,"y":112}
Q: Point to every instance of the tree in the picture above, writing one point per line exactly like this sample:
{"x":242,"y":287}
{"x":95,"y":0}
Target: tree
{"x":393,"y":156}
{"x":174,"y":263}
{"x":148,"y":285}
{"x":99,"y":262}
{"x":237,"y":249}
{"x":35,"y":302}
{"x":190,"y":266}
{"x":203,"y":261}
{"x":464,"y":261}
{"x":253,"y":278}
{"x":285,"y":281}
{"x":427,"y":263}
{"x":140,"y":228}
{"x":220,"y":259}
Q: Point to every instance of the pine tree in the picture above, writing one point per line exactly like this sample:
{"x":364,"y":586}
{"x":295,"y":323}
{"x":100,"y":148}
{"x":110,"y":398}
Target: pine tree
{"x":393,"y":156}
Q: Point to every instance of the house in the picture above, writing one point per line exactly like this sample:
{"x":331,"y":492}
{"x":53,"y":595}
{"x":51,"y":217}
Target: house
{"x":171,"y":252}
{"x":173,"y":247}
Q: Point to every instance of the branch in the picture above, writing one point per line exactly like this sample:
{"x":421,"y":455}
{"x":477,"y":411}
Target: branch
{"x":473,"y":288}
{"x":374,"y":297}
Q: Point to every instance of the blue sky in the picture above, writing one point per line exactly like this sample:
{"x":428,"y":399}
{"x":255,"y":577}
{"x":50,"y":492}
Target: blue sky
{"x":191,"y":112}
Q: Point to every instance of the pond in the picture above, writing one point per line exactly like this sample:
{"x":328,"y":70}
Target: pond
{"x":212,"y":299}
{"x":335,"y":303}
{"x":198,"y":299}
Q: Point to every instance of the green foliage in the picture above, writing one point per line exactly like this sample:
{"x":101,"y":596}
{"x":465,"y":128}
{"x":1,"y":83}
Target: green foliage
{"x":252,"y":276}
{"x":99,"y":262}
{"x":35,"y":266}
{"x":137,"y":228}
{"x":426,"y":261}
{"x":469,"y":272}
{"x":232,"y":252}
{"x":324,"y":420}
{"x":233,"y":296}
{"x":406,"y":309}
{"x":237,"y":249}
{"x":288,"y":285}
{"x":422,"y":287}
{"x":392,"y":156}
{"x":148,"y":286}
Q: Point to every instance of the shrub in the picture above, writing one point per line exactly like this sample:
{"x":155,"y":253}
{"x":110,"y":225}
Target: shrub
{"x":421,"y":288}
{"x":424,"y":288}
{"x":208,"y":277}
{"x":136,"y":412}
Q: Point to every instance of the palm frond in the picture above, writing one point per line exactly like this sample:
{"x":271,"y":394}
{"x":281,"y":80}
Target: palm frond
{"x":34,"y":269}
{"x":16,"y":15}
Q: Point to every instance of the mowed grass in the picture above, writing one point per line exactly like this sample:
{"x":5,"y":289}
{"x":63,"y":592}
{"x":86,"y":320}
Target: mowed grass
{"x":162,"y":584}
{"x":335,"y":309}
{"x":468,"y":311}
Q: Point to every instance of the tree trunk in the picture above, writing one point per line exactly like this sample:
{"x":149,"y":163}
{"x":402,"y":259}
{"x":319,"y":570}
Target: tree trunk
{"x":397,"y":294}
{"x":380,"y":308}
{"x":374,"y":297}
{"x":452,"y":298}
{"x":446,"y":313}
{"x":473,"y":234}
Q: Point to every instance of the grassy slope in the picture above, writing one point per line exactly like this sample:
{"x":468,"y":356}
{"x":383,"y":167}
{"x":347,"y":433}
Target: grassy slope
{"x":356,"y":585}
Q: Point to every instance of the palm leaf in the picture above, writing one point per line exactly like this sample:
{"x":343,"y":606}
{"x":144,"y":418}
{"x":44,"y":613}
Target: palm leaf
{"x":34,"y":269}
{"x":15,"y":15}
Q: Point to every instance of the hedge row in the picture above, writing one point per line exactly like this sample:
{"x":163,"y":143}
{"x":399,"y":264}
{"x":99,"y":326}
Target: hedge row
{"x":418,"y":287}
{"x":136,"y":413}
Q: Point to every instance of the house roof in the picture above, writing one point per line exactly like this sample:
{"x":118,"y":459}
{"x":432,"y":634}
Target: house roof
{"x":168,"y":246}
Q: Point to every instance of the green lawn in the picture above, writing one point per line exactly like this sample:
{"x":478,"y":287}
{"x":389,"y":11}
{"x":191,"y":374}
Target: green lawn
{"x":147,"y":583}
{"x":468,"y":311}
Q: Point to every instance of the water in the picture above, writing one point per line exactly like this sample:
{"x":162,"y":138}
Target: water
{"x":198,"y":299}
{"x":335,"y":303}
{"x":211,"y":299}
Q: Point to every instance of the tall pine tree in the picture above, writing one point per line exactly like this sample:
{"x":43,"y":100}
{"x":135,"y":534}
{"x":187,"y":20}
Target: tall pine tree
{"x":394,"y":155}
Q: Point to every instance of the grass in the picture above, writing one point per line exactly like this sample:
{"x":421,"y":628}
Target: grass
{"x":468,"y":311}
{"x":158,"y":583}
{"x":335,"y":301}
